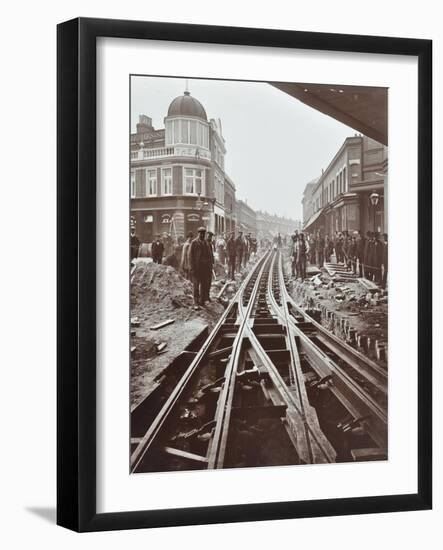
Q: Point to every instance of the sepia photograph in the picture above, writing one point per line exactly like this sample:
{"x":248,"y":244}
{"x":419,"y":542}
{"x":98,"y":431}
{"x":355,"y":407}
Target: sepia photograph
{"x":258,"y":265}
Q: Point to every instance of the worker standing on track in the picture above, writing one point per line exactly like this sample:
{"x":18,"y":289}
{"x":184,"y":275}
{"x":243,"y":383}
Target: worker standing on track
{"x":302,"y":252}
{"x":201,"y":261}
{"x":294,"y":267}
{"x":231,"y":247}
{"x":239,"y":250}
{"x":221,"y":249}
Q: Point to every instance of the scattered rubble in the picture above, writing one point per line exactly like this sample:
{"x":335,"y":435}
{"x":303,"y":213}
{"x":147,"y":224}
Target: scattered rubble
{"x":354,"y":309}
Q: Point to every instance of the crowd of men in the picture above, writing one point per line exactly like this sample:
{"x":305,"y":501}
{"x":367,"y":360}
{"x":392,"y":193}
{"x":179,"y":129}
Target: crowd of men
{"x":195,"y":257}
{"x":366,"y":256}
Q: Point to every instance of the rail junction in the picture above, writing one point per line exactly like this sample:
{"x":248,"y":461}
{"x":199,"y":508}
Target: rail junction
{"x":269,"y":386}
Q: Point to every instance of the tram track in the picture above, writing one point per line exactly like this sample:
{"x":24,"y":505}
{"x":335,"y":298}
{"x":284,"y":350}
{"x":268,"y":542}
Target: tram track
{"x":245,"y":399}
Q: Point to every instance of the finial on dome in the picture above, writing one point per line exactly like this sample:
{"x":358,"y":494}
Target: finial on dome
{"x":187,"y":92}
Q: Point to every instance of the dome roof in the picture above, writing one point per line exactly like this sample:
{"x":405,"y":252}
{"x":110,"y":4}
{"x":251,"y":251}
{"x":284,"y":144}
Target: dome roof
{"x":185,"y":105}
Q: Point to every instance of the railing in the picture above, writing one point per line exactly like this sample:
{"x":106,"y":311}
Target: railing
{"x":176,"y":150}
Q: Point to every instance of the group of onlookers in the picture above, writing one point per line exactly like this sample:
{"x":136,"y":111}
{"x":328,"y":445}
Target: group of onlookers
{"x":366,"y":256}
{"x":195,"y":257}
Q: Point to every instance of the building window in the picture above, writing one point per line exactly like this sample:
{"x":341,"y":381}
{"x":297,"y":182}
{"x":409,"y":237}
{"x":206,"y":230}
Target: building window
{"x":132,"y":185}
{"x":148,"y":218}
{"x":193,"y":181}
{"x":134,"y":155}
{"x":169,"y":136}
{"x":184,"y":136}
{"x":345,"y":179}
{"x":193,"y":132}
{"x":166,"y":181}
{"x":151,"y":183}
{"x":176,"y":131}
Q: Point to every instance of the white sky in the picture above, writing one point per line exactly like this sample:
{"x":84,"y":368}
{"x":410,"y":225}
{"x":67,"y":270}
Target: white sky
{"x":275,"y":144}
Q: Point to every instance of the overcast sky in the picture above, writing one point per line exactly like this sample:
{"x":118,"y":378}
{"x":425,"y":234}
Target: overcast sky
{"x":275,"y":144}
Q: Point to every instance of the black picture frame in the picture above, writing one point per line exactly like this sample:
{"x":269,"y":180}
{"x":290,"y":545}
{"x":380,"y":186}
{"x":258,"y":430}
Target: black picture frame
{"x":76,"y":280}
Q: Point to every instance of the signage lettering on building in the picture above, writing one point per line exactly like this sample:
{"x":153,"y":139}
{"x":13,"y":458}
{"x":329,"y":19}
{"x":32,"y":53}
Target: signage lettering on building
{"x":193,"y":217}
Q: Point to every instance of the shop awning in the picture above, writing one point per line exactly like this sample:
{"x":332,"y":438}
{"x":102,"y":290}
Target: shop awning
{"x":313,"y":218}
{"x":363,"y":108}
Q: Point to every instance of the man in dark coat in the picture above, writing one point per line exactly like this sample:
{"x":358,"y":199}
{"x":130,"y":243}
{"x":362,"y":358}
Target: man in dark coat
{"x":302,"y":251}
{"x":378,"y":259}
{"x":135,"y":245}
{"x":320,"y":250}
{"x":201,"y":261}
{"x":385,"y":259}
{"x":368,"y":260}
{"x":352,"y":252}
{"x":339,"y":249}
{"x":360,"y":242}
{"x":209,"y":272}
{"x":294,"y":255}
{"x":239,"y":250}
{"x":346,"y":244}
{"x":231,"y":248}
{"x":157,"y":250}
{"x":329,"y":247}
{"x":313,"y":250}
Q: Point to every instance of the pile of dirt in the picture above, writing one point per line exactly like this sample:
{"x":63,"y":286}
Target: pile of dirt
{"x":159,"y":293}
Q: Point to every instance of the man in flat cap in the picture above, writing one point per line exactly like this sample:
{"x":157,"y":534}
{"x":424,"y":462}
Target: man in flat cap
{"x":200,"y":262}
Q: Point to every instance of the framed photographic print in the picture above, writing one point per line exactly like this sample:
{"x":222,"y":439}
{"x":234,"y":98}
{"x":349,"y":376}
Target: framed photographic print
{"x":244,"y":274}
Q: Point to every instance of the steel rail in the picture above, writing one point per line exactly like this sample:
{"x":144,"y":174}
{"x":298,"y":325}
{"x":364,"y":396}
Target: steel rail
{"x":152,"y":432}
{"x":217,"y":447}
{"x":373,"y":371}
{"x":346,"y":389}
{"x":313,"y":434}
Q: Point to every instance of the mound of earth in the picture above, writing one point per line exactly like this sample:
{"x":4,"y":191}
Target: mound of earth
{"x":160,"y":293}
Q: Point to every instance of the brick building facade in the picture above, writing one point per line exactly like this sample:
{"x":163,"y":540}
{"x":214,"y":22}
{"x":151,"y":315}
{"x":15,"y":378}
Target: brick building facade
{"x":341,"y":198}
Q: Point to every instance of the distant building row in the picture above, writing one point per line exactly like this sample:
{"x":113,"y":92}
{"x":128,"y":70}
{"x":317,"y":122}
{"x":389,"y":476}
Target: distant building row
{"x":178,"y":180}
{"x":351,"y":194}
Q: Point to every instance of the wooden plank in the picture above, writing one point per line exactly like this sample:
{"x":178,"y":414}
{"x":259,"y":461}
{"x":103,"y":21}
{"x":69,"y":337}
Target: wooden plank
{"x":220,"y":353}
{"x":363,"y":455}
{"x":184,"y":454}
{"x":163,"y":324}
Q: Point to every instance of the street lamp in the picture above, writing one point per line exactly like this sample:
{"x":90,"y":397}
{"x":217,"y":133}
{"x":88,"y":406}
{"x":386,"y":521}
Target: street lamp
{"x":199,"y":203}
{"x":374,"y":197}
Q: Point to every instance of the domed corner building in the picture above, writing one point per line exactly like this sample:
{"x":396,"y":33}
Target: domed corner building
{"x":178,"y":181}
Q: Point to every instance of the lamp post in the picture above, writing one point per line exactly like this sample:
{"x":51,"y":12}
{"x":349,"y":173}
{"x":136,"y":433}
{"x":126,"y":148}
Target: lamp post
{"x":200,"y":205}
{"x":374,"y":197}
